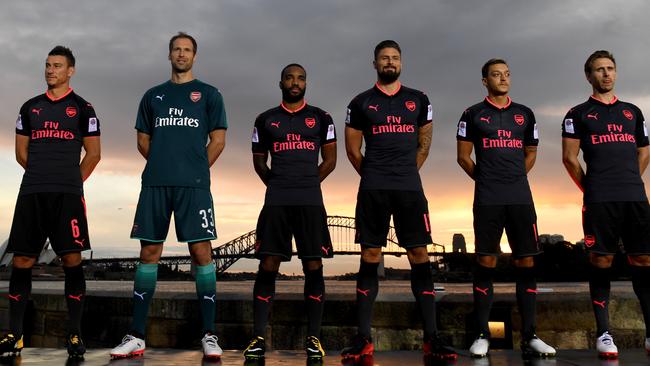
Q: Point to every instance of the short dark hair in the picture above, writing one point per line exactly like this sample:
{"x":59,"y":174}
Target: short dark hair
{"x":182,"y":35}
{"x":387,"y":44}
{"x":291,"y":65}
{"x":63,"y":51}
{"x":596,"y":55}
{"x":490,"y":62}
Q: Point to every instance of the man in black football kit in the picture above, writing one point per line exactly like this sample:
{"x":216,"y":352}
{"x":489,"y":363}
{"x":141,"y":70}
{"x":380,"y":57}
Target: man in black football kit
{"x":50,"y":131}
{"x":613,"y":137}
{"x":505,"y":136}
{"x":292,"y":134}
{"x":395,"y":122}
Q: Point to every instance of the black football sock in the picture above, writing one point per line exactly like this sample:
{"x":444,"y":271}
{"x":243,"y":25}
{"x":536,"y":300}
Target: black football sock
{"x":75,"y":294}
{"x":263,"y":293}
{"x":483,"y":294}
{"x":314,"y":300}
{"x":367,"y":288}
{"x":20,"y":287}
{"x":422,"y":287}
{"x":599,"y":285}
{"x":641,"y":285}
{"x":526,"y":299}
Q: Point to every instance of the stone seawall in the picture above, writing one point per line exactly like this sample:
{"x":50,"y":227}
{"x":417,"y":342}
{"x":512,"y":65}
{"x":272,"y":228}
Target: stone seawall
{"x":564,"y":315}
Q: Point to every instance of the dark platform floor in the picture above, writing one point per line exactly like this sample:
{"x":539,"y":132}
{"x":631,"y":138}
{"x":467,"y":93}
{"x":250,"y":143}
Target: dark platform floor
{"x":96,"y":357}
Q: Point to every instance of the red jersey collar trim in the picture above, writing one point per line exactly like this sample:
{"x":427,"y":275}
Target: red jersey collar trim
{"x":604,"y":102}
{"x":399,"y":87}
{"x":304,"y":103}
{"x":487,"y":99}
{"x":52,"y":98}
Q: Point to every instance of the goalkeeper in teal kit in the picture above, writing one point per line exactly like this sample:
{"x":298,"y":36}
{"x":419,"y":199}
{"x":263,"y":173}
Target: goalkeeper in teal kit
{"x":181,"y":129}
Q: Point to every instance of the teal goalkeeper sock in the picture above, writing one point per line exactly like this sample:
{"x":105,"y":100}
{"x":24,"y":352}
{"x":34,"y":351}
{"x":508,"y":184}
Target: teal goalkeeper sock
{"x":206,"y":289}
{"x":144,"y":287}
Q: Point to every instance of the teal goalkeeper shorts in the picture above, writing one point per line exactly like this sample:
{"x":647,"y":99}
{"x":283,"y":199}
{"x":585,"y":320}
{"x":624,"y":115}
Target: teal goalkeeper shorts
{"x":193,"y":214}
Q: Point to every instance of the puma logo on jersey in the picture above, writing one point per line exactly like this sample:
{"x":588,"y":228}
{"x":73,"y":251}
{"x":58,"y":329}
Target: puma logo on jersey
{"x":316,"y":298}
{"x":211,"y":298}
{"x":141,"y":296}
{"x":14,"y":297}
{"x":600,"y":303}
{"x":78,"y":297}
{"x":484,"y":291}
{"x":275,"y":124}
{"x":265,"y":299}
{"x":593,"y":116}
{"x":325,"y":250}
{"x":486,"y":119}
{"x":211,"y":232}
{"x":80,"y":242}
{"x":374,"y":107}
{"x":363,"y":292}
{"x":432,"y":293}
{"x":37,"y":111}
{"x":160,"y":97}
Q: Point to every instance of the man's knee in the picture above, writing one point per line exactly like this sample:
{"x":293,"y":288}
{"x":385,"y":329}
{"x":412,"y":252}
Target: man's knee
{"x":201,"y":252}
{"x":271,"y":263}
{"x":601,"y":261}
{"x":639,"y":260}
{"x":71,"y":259}
{"x":150,"y":252}
{"x":524,"y":262}
{"x":417,"y":255}
{"x":23,"y":261}
{"x":487,"y":261}
{"x":311,"y":265}
{"x":371,"y":255}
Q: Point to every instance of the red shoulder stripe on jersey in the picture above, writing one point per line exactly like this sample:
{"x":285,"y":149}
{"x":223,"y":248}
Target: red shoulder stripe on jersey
{"x":304,"y":103}
{"x":399,"y":86}
{"x":604,"y":102}
{"x":52,"y":98}
{"x":487,"y":99}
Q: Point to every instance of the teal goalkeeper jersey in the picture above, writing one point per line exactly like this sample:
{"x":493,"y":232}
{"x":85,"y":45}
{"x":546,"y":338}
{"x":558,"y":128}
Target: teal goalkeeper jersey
{"x":179,"y":118}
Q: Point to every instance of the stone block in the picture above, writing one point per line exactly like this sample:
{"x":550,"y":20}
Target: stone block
{"x":403,"y":339}
{"x":619,"y":314}
{"x":234,"y":336}
{"x":55,"y":324}
{"x":38,"y":323}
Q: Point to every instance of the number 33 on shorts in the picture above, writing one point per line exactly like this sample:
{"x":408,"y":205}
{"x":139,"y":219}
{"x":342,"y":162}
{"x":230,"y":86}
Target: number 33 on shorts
{"x":207,"y":220}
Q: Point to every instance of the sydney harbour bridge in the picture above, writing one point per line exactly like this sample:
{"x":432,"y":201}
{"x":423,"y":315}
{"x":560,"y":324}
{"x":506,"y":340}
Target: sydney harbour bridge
{"x":341,"y":230}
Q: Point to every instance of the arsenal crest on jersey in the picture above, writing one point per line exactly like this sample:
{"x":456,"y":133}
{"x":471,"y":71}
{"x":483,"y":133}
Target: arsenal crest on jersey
{"x":310,"y":122}
{"x":71,"y":111}
{"x":628,"y":114}
{"x":195,"y":96}
{"x":519,"y":119}
{"x":410,"y":105}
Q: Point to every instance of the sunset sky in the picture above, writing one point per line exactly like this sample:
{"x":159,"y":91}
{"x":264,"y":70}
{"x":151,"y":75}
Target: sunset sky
{"x":121,"y":51}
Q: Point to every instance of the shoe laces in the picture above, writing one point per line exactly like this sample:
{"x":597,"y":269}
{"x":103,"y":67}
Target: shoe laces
{"x":74,"y":339}
{"x":313,"y":340}
{"x":8,"y":338}
{"x":606,"y":339}
{"x":255,"y":340}
{"x":127,"y":338}
{"x":210,"y":340}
